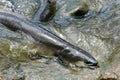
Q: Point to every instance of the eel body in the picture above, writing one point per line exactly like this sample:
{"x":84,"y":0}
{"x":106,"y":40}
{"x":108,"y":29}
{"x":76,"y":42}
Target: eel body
{"x":46,"y":11}
{"x":17,"y":22}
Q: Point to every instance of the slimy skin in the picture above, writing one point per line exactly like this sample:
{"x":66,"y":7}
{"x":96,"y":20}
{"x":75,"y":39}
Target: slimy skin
{"x":45,"y":11}
{"x":16,"y":22}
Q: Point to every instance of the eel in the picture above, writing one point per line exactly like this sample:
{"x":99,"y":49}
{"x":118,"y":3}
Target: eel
{"x":45,"y":12}
{"x":17,"y":22}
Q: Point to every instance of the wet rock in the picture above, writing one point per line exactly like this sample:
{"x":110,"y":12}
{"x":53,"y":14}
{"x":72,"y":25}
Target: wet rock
{"x":10,"y":69}
{"x":109,"y":76}
{"x":23,"y":7}
{"x":13,"y":74}
{"x":5,"y":5}
{"x":1,"y":77}
{"x":24,"y":51}
{"x":80,"y":12}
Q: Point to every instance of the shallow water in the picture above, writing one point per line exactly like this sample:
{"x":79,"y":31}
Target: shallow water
{"x":98,"y":33}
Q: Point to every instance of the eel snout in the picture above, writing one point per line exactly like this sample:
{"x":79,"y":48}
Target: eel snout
{"x":76,"y":54}
{"x":92,"y":63}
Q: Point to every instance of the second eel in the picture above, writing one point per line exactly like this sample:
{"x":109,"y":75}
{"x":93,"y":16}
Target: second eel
{"x":16,"y":22}
{"x":46,"y":11}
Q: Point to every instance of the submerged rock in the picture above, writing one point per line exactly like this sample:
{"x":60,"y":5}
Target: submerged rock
{"x":80,"y":12}
{"x":108,"y":76}
{"x":10,"y":69}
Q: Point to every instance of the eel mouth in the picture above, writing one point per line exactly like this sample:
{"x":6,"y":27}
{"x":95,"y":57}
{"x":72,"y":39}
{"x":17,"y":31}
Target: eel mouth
{"x":91,"y":63}
{"x":92,"y":66}
{"x":88,"y":66}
